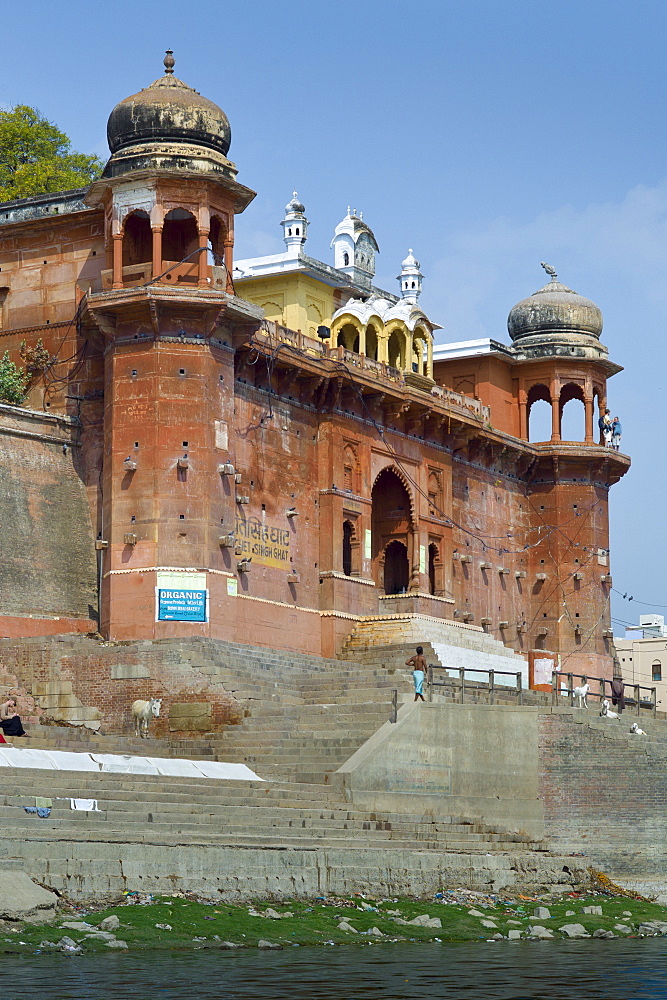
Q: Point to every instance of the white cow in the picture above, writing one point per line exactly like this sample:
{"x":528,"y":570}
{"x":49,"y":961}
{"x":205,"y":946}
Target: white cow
{"x":142,"y":713}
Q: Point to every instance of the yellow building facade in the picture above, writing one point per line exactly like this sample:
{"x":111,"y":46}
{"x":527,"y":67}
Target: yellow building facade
{"x":339,"y":303}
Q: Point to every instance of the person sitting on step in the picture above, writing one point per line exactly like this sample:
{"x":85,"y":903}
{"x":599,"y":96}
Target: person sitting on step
{"x":10,"y":720}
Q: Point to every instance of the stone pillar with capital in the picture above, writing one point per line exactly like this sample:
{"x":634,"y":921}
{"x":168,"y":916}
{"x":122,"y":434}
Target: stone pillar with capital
{"x":523,"y":414}
{"x":203,"y":270}
{"x":157,"y":251}
{"x":229,"y":263}
{"x":117,"y":258}
{"x":554,"y":394}
{"x":588,"y":406}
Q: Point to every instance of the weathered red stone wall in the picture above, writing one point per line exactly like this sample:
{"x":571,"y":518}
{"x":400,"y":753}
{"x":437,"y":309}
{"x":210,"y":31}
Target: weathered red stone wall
{"x":47,"y":562}
{"x":102,"y":677}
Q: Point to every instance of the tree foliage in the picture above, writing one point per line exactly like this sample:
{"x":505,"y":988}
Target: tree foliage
{"x":13,"y":381}
{"x":36,"y":157}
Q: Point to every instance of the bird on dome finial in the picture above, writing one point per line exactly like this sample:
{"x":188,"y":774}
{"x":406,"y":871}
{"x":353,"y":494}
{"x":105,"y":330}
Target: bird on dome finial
{"x":551,"y":271}
{"x":169,"y":62}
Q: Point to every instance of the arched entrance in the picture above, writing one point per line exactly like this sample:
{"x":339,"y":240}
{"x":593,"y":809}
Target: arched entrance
{"x":392,"y":528}
{"x":396,"y":568}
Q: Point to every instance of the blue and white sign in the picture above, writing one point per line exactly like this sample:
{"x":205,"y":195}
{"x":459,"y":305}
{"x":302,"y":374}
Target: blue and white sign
{"x":177,"y":605}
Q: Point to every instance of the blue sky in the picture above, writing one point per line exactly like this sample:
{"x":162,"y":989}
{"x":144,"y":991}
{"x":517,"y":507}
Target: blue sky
{"x":487,"y":135}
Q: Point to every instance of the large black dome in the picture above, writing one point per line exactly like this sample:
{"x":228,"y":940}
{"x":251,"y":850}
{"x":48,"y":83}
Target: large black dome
{"x":171,"y":111}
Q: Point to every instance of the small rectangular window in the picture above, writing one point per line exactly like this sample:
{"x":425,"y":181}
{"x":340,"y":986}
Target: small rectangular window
{"x":656,"y":672}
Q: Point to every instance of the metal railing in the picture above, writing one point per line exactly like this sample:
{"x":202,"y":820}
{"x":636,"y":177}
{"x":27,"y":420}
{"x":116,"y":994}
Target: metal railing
{"x":458,"y":684}
{"x":636,"y":700}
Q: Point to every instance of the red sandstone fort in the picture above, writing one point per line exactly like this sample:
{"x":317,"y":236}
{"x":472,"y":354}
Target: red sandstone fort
{"x":271,"y":451}
{"x":249,"y":488}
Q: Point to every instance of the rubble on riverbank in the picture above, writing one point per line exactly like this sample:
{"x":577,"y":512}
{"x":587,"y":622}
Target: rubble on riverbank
{"x":175,"y":922}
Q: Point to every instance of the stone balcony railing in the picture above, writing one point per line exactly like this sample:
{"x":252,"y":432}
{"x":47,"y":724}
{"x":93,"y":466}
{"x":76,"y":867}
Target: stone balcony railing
{"x":475,"y":405}
{"x":273,"y":331}
{"x":173,"y":273}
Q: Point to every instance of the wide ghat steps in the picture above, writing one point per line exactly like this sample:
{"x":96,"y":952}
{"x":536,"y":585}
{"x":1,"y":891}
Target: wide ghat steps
{"x":307,"y":742}
{"x":653,"y":743}
{"x":150,"y":809}
{"x":53,"y":737}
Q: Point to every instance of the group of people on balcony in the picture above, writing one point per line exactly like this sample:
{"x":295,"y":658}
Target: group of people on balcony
{"x":611,"y":431}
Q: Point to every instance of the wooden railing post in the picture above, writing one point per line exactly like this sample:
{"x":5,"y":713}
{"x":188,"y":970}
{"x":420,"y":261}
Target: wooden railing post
{"x":491,"y":686}
{"x":519,"y":687}
{"x":430,"y":681}
{"x":637,"y":697}
{"x":394,"y":705}
{"x":570,"y":683}
{"x":554,"y":687}
{"x":654,"y":699}
{"x":463,"y":683}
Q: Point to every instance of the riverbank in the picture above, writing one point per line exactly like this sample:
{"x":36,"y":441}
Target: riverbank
{"x":178,"y":923}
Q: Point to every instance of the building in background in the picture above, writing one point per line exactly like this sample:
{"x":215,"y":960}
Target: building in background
{"x":642,"y":655}
{"x":267,"y":450}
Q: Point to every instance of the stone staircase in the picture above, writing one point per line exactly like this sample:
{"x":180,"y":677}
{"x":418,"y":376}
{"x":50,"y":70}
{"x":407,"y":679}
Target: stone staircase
{"x":303,"y":718}
{"x":453,"y":644}
{"x":618,"y":730}
{"x":82,"y":740}
{"x":160,"y":810}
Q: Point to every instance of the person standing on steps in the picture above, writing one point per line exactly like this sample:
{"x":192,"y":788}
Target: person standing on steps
{"x":418,"y":664}
{"x":618,"y":693}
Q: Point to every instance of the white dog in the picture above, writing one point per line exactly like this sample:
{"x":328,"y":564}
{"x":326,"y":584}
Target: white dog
{"x":580,"y":694}
{"x":634,"y":728}
{"x":606,"y":711}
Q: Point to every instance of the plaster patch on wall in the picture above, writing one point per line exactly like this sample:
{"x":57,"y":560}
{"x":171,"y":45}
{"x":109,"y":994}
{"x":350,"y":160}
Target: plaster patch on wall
{"x":221,"y":435}
{"x":128,"y":671}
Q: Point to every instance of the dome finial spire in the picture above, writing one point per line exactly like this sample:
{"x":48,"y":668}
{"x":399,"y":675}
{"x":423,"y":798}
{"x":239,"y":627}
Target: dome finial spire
{"x":169,"y":62}
{"x":551,"y":271}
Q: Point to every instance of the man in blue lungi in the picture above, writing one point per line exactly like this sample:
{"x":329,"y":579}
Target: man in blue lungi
{"x":418,"y":664}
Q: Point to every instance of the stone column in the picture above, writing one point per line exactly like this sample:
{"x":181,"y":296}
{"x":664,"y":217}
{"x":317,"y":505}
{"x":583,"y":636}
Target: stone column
{"x":554,"y":393}
{"x":413,"y":556}
{"x":588,"y":406}
{"x":117,"y":267}
{"x":229,"y":263}
{"x":157,"y":251}
{"x":523,"y":414}
{"x":202,"y":277}
{"x":602,"y":403}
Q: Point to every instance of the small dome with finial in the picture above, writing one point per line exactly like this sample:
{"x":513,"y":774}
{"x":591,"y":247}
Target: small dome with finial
{"x":168,"y":110}
{"x":294,"y":205}
{"x":554,"y":312}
